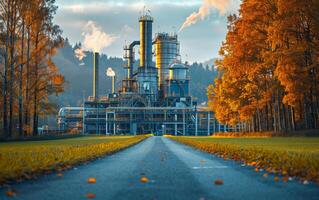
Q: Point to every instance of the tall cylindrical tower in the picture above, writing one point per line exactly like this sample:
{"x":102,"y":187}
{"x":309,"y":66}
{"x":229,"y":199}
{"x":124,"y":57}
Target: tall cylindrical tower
{"x":145,"y":40}
{"x":166,"y":52}
{"x":95,"y":75}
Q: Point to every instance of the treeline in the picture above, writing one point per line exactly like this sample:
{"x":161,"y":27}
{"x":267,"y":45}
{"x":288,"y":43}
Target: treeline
{"x":28,"y":40}
{"x":269,"y":68}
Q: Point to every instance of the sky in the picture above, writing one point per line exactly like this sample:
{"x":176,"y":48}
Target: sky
{"x":110,"y":24}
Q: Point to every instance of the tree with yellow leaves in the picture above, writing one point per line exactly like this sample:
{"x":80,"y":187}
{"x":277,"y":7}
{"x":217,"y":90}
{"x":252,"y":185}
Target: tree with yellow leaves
{"x":268,"y":67}
{"x":28,"y":75}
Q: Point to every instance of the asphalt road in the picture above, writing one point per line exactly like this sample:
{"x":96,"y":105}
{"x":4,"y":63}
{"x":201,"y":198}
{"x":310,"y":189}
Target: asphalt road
{"x":174,"y":171}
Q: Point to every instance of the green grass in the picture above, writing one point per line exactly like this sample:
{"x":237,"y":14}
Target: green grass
{"x":306,"y":145}
{"x":283,"y":156}
{"x":24,"y":160}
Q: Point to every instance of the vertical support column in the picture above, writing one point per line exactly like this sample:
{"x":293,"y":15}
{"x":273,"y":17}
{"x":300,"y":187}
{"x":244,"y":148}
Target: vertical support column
{"x":183,"y":122}
{"x":225,"y":127}
{"x":106,"y":124}
{"x":131,"y":127}
{"x":196,"y":125}
{"x":214,"y":127}
{"x":114,"y":126}
{"x":208,"y":123}
{"x":219,"y":126}
{"x":175,"y":124}
{"x":83,"y":121}
{"x":165,"y":118}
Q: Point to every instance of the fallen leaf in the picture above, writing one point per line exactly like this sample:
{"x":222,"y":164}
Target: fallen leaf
{"x":253,"y":164}
{"x":91,"y":180}
{"x":59,"y":174}
{"x":219,"y":182}
{"x":265,"y":175}
{"x":90,"y":195}
{"x":285,"y":179}
{"x":276,"y":178}
{"x":10,"y":193}
{"x":144,"y":179}
{"x":256,"y":169}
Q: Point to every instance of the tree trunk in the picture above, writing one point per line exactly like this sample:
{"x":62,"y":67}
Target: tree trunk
{"x":5,"y":78}
{"x":20,"y":84}
{"x":12,"y":61}
{"x":35,"y":97}
{"x":27,"y":100}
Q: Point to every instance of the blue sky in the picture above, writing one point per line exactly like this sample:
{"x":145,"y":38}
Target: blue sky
{"x":118,"y":19}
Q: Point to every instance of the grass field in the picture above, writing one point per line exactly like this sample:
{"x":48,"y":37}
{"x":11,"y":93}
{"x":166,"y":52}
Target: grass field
{"x":285,"y":156}
{"x":24,"y":160}
{"x":307,"y":145}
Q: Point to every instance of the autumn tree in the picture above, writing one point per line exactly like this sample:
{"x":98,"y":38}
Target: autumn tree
{"x":29,"y":40}
{"x":268,"y":67}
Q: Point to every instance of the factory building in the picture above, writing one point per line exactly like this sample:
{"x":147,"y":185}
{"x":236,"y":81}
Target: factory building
{"x":154,"y":98}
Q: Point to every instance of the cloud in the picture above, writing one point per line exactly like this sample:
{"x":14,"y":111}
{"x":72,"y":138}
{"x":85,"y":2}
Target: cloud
{"x":79,"y":54}
{"x":127,"y":29}
{"x":95,"y":39}
{"x":221,"y":5}
{"x":136,"y":5}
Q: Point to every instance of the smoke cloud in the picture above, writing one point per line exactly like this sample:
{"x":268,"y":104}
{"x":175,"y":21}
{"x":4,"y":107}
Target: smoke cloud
{"x":204,"y":10}
{"x":95,"y":39}
{"x":79,"y":54}
{"x":110,"y":72}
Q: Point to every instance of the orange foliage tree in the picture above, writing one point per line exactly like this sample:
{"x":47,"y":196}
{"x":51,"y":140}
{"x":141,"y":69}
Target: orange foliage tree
{"x":268,"y":78}
{"x":28,"y":41}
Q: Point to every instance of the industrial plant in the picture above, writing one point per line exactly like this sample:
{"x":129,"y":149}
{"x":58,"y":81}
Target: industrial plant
{"x":154,"y":98}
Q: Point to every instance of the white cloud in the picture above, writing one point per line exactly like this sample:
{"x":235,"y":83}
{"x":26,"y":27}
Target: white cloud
{"x":95,"y":38}
{"x":205,"y":9}
{"x":127,"y":29}
{"x":79,"y":54}
{"x":136,"y":5}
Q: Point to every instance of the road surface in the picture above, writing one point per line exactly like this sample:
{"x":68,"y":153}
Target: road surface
{"x":174,"y":171}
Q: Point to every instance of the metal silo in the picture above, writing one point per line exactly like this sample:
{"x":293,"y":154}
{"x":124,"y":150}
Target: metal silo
{"x":166,"y":52}
{"x":145,"y":40}
{"x":178,"y":81}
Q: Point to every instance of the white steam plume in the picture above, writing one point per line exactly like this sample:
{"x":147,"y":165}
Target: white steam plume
{"x":95,"y":38}
{"x":204,"y":10}
{"x":79,"y":54}
{"x":110,"y":72}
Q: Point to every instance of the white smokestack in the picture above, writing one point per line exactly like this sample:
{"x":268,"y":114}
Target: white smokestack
{"x":204,"y":10}
{"x":95,"y":39}
{"x":110,"y":72}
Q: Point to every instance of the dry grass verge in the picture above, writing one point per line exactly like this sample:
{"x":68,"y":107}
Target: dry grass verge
{"x":25,"y":160}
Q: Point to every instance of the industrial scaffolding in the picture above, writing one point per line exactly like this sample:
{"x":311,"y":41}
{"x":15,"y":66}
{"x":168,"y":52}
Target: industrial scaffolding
{"x":156,"y":120}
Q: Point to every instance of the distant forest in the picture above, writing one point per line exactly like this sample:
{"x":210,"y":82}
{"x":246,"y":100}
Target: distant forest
{"x":78,"y":76}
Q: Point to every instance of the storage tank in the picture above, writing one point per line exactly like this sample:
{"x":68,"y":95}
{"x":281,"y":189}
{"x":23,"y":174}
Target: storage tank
{"x":166,"y":52}
{"x":178,"y":71}
{"x":178,"y":81}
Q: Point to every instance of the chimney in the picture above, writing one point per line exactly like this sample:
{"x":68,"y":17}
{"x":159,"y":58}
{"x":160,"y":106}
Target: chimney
{"x":95,"y":75}
{"x":113,"y":84}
